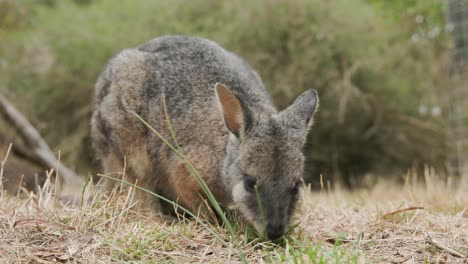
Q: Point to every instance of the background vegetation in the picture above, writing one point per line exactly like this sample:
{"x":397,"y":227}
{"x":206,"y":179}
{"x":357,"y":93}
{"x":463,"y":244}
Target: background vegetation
{"x":374,"y":63}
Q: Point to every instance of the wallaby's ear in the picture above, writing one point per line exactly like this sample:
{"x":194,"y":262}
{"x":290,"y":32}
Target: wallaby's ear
{"x":231,"y":107}
{"x":300,"y":113}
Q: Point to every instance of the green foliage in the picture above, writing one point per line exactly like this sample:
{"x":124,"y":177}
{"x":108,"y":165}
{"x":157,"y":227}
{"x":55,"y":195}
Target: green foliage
{"x":358,"y":54}
{"x":306,"y":251}
{"x":13,"y":16}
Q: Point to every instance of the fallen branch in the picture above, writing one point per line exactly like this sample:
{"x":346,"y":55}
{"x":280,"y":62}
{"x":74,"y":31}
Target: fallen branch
{"x":39,"y":147}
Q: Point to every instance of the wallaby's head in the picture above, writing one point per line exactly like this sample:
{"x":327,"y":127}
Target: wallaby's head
{"x":264,"y":159}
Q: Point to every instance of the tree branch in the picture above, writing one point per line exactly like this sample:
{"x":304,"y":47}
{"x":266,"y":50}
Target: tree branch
{"x":33,"y":139}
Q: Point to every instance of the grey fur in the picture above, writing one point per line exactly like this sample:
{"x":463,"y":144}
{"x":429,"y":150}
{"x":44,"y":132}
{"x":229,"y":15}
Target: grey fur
{"x":184,"y":71}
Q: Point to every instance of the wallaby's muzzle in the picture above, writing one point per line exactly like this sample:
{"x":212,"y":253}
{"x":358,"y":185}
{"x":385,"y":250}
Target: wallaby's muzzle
{"x":274,"y":231}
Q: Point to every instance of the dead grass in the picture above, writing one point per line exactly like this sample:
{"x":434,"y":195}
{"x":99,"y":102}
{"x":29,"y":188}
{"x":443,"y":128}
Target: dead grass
{"x":389,"y":223}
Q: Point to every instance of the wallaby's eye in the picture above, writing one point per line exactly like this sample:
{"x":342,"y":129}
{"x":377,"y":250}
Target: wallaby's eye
{"x":296,"y":187}
{"x":249,"y":183}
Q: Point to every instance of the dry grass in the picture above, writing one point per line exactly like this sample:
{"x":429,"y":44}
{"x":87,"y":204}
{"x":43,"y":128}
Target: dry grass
{"x":391,"y":223}
{"x":383,"y":224}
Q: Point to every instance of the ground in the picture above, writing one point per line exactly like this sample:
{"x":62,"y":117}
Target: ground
{"x":389,"y":223}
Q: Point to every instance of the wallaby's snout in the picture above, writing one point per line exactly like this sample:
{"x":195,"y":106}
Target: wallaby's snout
{"x":274,"y":231}
{"x":271,"y":205}
{"x":277,"y":216}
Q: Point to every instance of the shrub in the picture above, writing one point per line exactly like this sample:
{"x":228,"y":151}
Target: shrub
{"x":370,"y":77}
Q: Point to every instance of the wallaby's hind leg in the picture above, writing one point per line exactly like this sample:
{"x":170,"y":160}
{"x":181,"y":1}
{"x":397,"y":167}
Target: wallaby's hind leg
{"x":119,"y":169}
{"x":113,"y":167}
{"x":189,"y":193}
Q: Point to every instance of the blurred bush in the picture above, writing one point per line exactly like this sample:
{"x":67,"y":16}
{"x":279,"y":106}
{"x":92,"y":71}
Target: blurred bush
{"x":13,"y":16}
{"x":372,"y":63}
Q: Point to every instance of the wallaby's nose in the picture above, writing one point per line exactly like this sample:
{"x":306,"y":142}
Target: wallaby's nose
{"x":274,"y":231}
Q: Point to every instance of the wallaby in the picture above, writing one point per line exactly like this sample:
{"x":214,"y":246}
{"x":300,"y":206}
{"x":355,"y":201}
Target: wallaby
{"x":225,"y":123}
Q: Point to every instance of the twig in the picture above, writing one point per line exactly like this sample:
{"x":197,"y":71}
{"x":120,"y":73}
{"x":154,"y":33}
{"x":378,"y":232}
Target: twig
{"x":40,"y":223}
{"x":443,"y":247}
{"x":37,"y":144}
{"x":403,"y":210}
